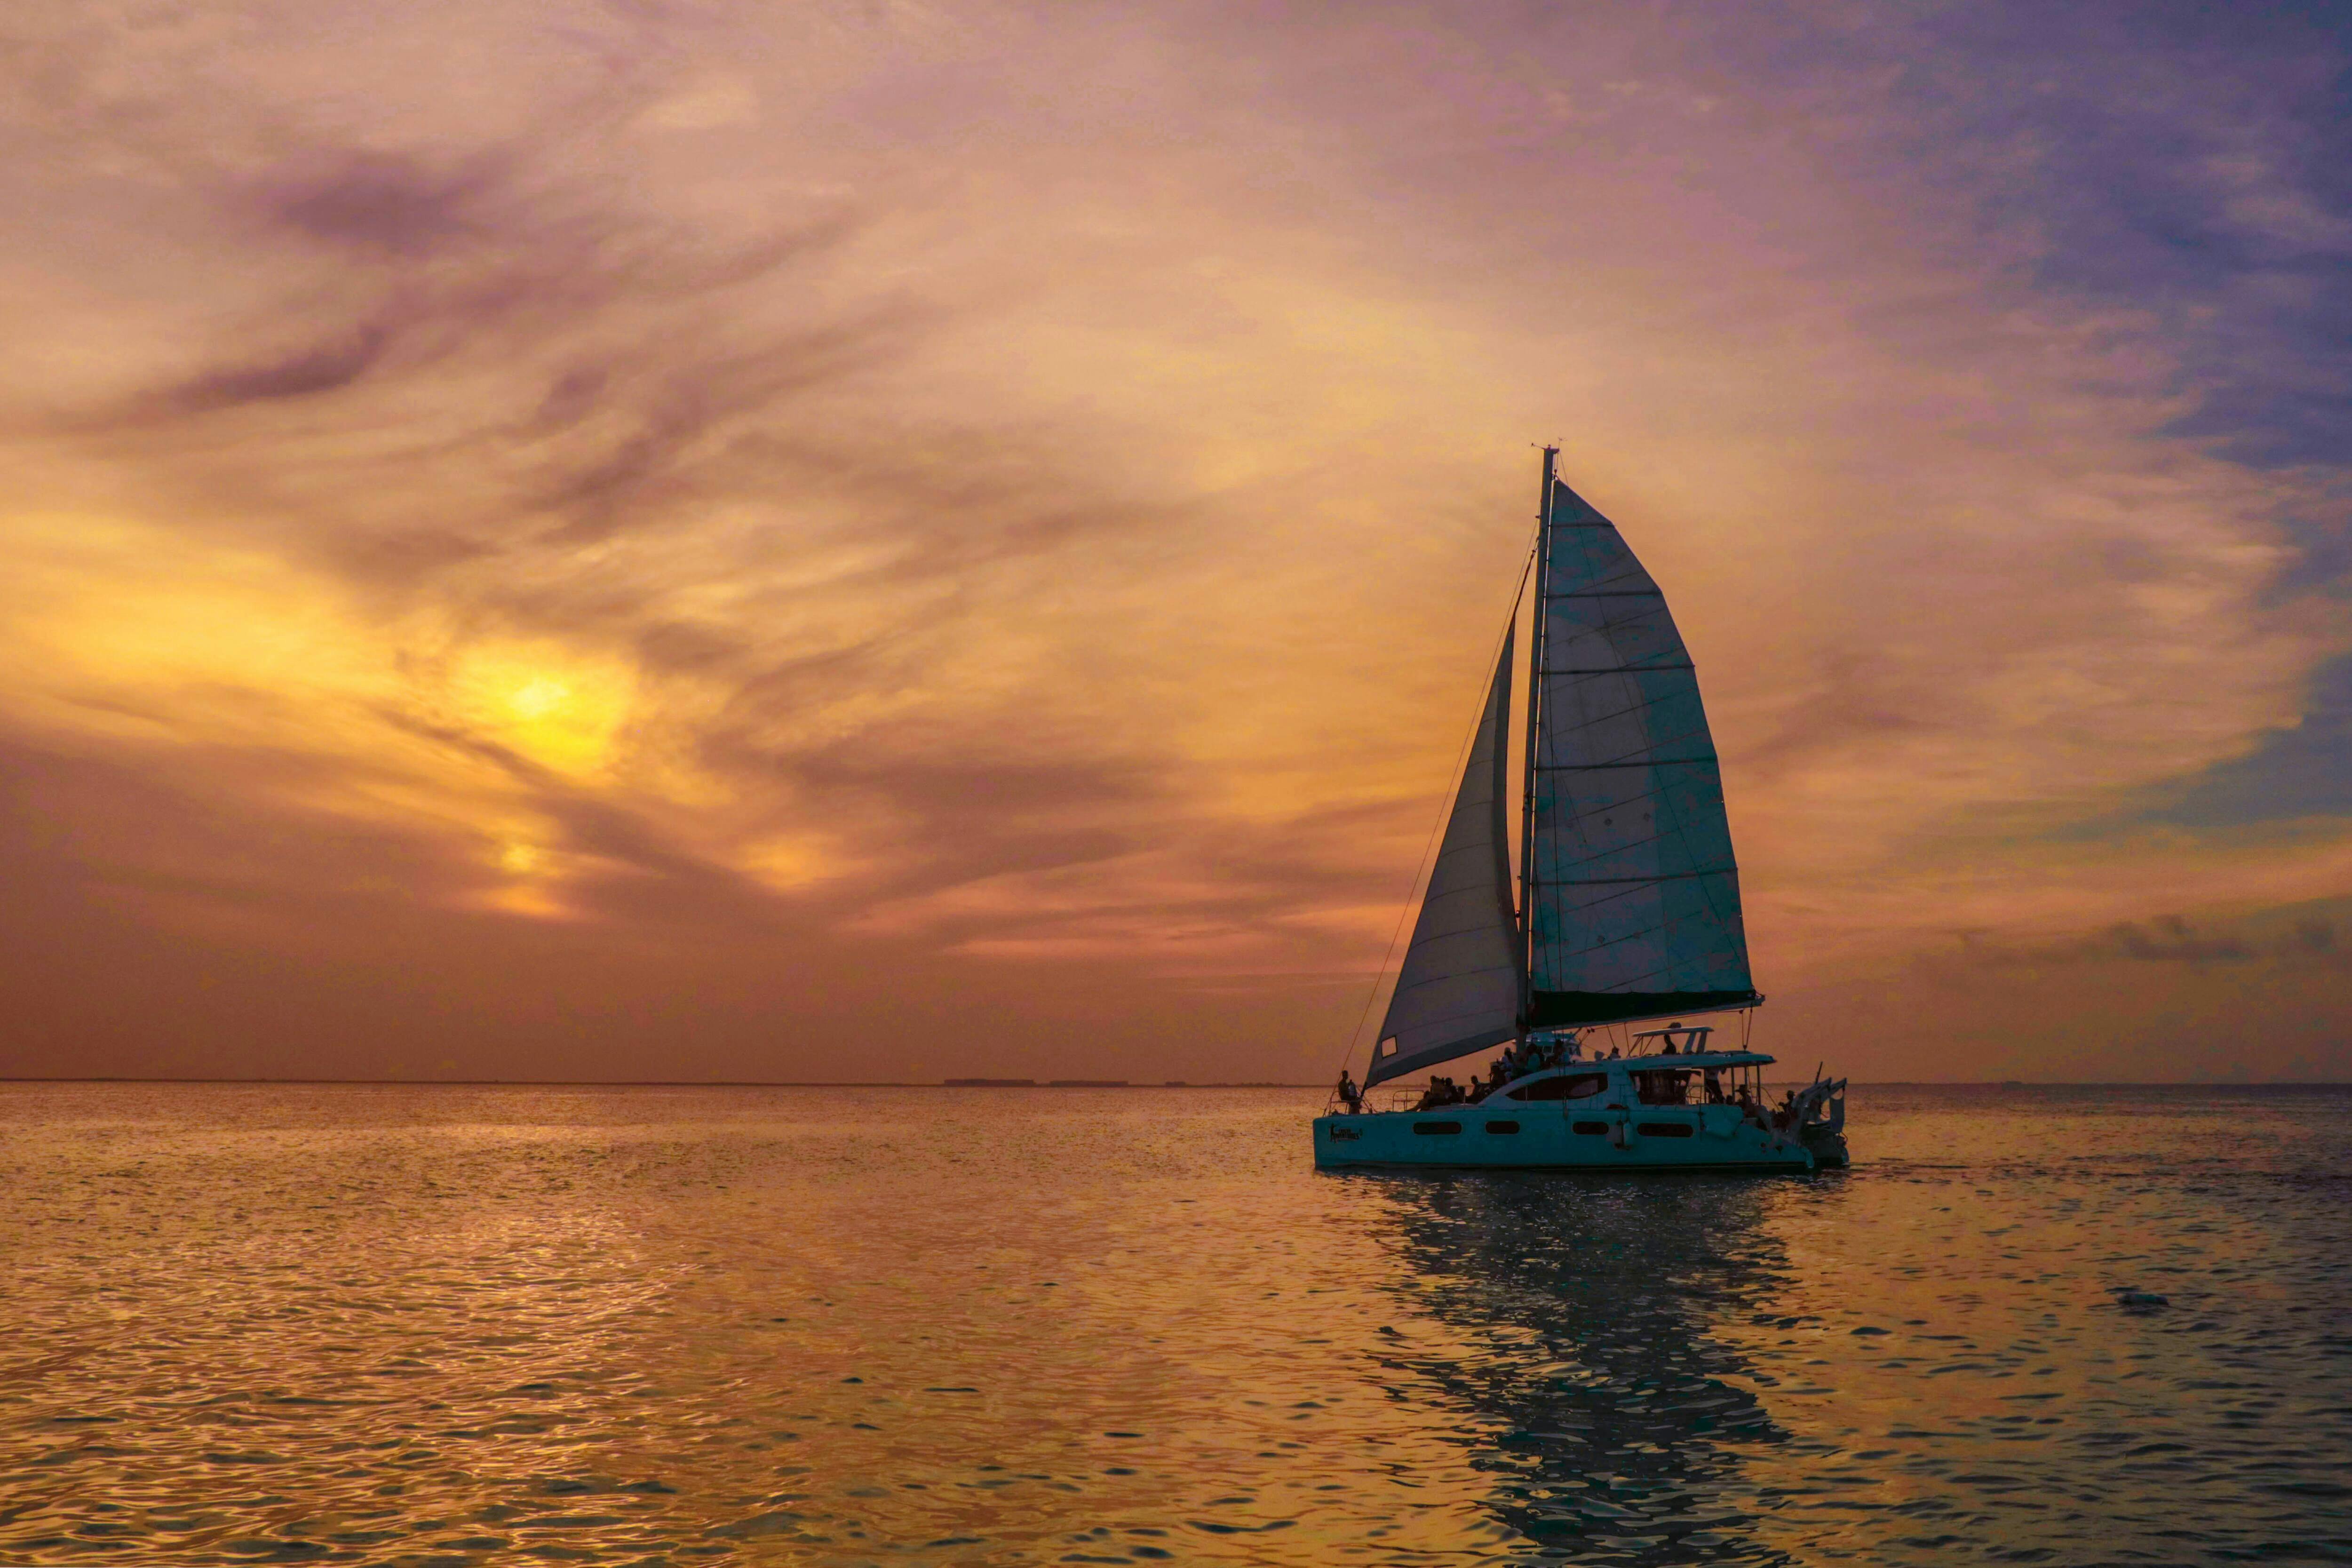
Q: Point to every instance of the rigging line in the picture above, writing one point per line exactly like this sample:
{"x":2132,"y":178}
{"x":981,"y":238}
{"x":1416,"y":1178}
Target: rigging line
{"x":1523,"y":907}
{"x":1445,"y":811}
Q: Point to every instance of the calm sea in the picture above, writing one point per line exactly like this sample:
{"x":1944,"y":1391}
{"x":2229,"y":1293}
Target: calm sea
{"x":426,"y":1325}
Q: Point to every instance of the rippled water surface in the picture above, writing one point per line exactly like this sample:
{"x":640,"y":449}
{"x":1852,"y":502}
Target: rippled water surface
{"x":426,"y":1325}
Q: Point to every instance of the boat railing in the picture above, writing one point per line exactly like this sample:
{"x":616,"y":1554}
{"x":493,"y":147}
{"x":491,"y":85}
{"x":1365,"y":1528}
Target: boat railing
{"x":1375,"y":1102}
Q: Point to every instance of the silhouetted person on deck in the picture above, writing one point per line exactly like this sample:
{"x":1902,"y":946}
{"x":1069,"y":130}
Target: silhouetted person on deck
{"x":1349,"y":1095}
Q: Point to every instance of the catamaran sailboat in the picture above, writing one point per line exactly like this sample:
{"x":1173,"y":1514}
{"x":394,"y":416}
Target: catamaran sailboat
{"x":1626,"y":911}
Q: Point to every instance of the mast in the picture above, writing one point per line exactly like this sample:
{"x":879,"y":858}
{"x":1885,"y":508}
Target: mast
{"x":1535,"y":619}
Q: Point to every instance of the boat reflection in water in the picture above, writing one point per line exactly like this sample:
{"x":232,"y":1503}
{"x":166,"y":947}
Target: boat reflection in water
{"x":1589,"y":1378}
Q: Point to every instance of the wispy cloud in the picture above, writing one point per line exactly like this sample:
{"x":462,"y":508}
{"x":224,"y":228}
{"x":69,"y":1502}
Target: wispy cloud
{"x":994,"y":516}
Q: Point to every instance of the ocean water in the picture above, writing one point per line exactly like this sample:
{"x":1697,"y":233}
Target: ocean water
{"x":461,"y":1325}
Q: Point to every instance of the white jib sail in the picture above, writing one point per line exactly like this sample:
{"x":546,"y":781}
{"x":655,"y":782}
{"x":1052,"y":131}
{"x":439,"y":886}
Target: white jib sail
{"x":1459,"y":989}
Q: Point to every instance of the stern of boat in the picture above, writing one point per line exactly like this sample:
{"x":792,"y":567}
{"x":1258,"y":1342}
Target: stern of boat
{"x":1821,"y":1124}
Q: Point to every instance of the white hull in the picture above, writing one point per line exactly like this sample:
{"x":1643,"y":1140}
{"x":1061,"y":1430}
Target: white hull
{"x":1656,"y":1112}
{"x":1558,"y":1137}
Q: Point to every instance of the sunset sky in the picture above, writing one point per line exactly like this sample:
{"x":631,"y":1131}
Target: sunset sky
{"x":676,"y":540}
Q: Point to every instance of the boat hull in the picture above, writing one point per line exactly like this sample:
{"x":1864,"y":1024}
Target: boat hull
{"x":1548,"y":1137}
{"x":1830,"y":1152}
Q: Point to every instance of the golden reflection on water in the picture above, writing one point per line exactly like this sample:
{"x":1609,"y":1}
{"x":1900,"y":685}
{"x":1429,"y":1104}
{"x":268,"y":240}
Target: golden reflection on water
{"x":1610,"y":1409}
{"x":465,"y":1325}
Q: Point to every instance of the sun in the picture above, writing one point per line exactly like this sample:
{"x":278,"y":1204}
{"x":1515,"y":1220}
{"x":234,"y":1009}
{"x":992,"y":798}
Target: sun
{"x":562,"y":709}
{"x":540,"y":697}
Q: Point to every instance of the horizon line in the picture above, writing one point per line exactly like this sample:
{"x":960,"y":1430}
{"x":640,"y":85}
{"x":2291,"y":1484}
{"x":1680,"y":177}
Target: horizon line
{"x":1096,"y":1083}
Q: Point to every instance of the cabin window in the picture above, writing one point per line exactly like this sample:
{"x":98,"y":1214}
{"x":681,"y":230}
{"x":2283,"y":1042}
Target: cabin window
{"x":1502,"y":1127}
{"x":1426,"y":1128}
{"x":1663,"y":1129}
{"x":1576,"y":1085}
{"x":1671,"y":1087}
{"x":1589,"y":1129}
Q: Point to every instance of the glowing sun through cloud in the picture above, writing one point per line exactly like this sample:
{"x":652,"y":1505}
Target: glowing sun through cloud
{"x":560,"y":711}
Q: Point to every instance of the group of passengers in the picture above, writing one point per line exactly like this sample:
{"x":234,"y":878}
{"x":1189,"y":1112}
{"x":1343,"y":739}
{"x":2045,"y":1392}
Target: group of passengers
{"x":1443,"y":1092}
{"x":1524,"y":1057}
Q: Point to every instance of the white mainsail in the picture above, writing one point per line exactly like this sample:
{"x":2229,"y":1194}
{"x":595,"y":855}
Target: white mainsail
{"x":1632,"y":895}
{"x":1460,"y":988}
